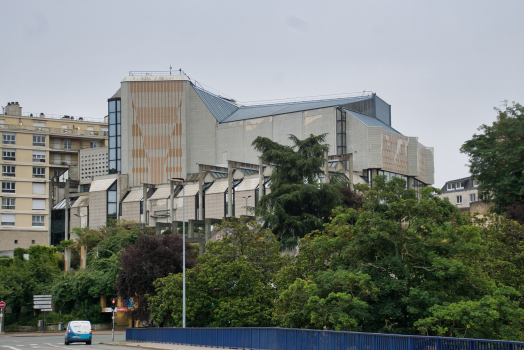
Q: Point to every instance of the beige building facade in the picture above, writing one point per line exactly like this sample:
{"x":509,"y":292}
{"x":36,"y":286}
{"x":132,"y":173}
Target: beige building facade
{"x":38,"y":152}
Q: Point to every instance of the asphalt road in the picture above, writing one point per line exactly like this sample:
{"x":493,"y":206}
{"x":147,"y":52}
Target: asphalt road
{"x":56,"y":342}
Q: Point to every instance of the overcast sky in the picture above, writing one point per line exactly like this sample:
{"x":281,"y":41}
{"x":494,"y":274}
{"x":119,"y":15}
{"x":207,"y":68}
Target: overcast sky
{"x":442,"y":65}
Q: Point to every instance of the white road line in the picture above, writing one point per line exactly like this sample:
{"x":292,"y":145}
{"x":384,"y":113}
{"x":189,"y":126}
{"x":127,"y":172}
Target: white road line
{"x":53,"y":345}
{"x":10,"y":347}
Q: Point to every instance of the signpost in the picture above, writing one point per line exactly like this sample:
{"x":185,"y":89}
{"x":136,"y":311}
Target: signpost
{"x":2,"y":306}
{"x":43,"y":303}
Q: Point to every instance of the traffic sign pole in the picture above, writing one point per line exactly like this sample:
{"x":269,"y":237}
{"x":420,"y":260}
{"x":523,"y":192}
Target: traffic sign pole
{"x":2,"y":307}
{"x":113,"y":331}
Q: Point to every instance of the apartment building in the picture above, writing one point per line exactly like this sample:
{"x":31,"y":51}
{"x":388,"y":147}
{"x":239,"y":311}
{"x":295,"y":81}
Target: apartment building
{"x":39,"y":153}
{"x":464,"y":194}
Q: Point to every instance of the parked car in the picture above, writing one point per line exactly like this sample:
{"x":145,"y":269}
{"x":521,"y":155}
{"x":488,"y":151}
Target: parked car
{"x":78,"y":331}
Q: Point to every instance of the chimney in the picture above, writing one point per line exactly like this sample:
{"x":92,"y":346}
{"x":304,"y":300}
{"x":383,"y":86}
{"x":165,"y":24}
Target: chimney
{"x":14,"y":109}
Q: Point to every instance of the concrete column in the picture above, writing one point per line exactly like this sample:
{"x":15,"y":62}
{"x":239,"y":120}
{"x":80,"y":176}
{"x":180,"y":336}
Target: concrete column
{"x":144,"y":204}
{"x":374,"y":172}
{"x":326,"y":169}
{"x":350,"y":166}
{"x":67,"y":258}
{"x":83,"y":257}
{"x":410,"y":182}
{"x":260,"y":177}
{"x":207,"y":230}
{"x":200,"y":193}
{"x":172,"y":210}
{"x":66,"y":210}
{"x":191,"y":229}
{"x":229,"y":189}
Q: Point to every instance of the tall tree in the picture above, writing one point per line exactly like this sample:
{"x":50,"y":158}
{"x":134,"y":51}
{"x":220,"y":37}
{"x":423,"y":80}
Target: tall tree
{"x":150,"y":258}
{"x":497,"y":158}
{"x":298,"y":202}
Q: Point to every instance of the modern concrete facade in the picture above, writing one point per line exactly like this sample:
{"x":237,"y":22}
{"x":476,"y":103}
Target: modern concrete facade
{"x":39,"y":153}
{"x":165,"y":127}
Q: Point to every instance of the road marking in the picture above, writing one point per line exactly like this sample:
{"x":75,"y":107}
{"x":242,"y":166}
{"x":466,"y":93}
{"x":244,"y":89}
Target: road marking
{"x":53,"y":345}
{"x":10,"y":347}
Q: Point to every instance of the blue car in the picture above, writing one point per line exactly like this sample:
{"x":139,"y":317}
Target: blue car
{"x":78,"y":331}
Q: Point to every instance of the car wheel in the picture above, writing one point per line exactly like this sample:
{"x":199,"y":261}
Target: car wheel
{"x":88,"y":342}
{"x":66,"y":342}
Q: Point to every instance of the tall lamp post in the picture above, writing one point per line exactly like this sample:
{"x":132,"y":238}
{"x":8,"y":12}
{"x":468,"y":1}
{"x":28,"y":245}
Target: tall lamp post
{"x":246,"y":202}
{"x":179,"y":179}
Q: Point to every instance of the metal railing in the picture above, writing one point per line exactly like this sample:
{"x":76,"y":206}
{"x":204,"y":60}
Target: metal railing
{"x":54,"y":130}
{"x":60,"y":116}
{"x":60,"y":162}
{"x":156,"y":72}
{"x":307,"y":339}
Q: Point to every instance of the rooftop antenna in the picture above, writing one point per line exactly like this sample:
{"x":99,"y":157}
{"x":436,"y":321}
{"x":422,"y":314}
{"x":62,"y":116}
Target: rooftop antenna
{"x":170,"y":69}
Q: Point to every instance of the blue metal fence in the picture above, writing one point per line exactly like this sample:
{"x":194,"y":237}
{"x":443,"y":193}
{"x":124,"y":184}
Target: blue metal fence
{"x":308,"y":339}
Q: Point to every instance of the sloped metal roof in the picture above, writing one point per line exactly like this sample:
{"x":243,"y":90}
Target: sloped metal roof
{"x":251,"y":112}
{"x":62,"y":203}
{"x":219,"y":107}
{"x":224,"y":111}
{"x":370,"y":121}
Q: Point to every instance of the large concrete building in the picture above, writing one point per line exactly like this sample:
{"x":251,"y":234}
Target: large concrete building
{"x":164,"y":126}
{"x":39,"y":152}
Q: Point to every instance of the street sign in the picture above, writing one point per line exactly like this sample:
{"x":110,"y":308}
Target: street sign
{"x":41,"y":307}
{"x":34,"y":299}
{"x":121,"y":309}
{"x":42,"y":302}
{"x":2,"y":304}
{"x":42,"y":296}
{"x":46,"y":309}
{"x":107,"y":309}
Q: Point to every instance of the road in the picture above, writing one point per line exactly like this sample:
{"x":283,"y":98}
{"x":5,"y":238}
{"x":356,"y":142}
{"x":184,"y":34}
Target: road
{"x":56,"y":341}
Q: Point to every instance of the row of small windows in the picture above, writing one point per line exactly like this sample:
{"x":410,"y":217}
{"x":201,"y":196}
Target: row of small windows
{"x":10,"y":187}
{"x":10,"y":154}
{"x":9,"y":220}
{"x":9,"y":204}
{"x":472,"y":198}
{"x":39,"y":141}
{"x":10,"y":171}
{"x":459,"y":185}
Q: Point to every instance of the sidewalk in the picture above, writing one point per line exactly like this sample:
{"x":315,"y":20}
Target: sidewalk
{"x":50,"y":334}
{"x":159,"y":346}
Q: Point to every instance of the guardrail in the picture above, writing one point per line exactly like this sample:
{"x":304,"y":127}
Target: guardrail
{"x":307,"y":339}
{"x":54,"y":130}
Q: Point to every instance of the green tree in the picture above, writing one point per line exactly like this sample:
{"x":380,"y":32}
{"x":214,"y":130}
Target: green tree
{"x":399,"y":264}
{"x":298,"y":203}
{"x":497,"y":158}
{"x":232,"y":285}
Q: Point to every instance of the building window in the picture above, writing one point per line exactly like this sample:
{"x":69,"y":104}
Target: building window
{"x":8,"y":187}
{"x":472,"y":197}
{"x":476,"y":183}
{"x":38,"y":188}
{"x":8,"y":203}
{"x":38,"y":140}
{"x":8,"y":154}
{"x":8,"y":170}
{"x":114,"y":136}
{"x":341,"y":134}
{"x":460,"y":185}
{"x":16,"y":240}
{"x":85,"y":188}
{"x":451,"y":186}
{"x":38,"y":204}
{"x":459,"y":199}
{"x":92,"y":144}
{"x":8,"y":220}
{"x":67,"y":144}
{"x":39,"y":156}
{"x":32,"y":241}
{"x":112,"y":201}
{"x":38,"y":172}
{"x":390,"y":175}
{"x":8,"y":139}
{"x":38,"y":220}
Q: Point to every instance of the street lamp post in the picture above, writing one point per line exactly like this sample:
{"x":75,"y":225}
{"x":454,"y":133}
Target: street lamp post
{"x":246,"y":202}
{"x":183,"y":247}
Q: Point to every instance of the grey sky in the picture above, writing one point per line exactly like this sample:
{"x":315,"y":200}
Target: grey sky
{"x":442,"y":65}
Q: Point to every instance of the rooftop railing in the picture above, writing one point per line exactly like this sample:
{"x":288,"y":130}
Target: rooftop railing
{"x":60,"y":116}
{"x":156,"y":73}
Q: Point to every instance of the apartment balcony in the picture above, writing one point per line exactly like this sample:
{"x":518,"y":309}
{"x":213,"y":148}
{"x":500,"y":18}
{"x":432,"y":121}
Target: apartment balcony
{"x":61,"y":163}
{"x":57,"y":131}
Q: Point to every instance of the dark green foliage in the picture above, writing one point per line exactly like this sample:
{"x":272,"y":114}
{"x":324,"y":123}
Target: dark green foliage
{"x":298,"y":202}
{"x":232,"y":285}
{"x":497,"y":158}
{"x":402,"y":265}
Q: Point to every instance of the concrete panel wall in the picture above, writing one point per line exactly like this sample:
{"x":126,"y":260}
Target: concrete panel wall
{"x":322,"y":121}
{"x":24,"y":238}
{"x":215,"y":206}
{"x":375,"y":147}
{"x":357,"y":139}
{"x":230,"y":139}
{"x":131,"y":211}
{"x":97,"y":209}
{"x":240,"y":203}
{"x":200,"y":129}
